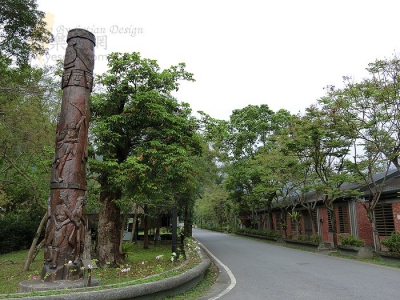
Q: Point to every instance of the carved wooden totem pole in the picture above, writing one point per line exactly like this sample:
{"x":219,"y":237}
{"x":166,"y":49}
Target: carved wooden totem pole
{"x":65,"y":226}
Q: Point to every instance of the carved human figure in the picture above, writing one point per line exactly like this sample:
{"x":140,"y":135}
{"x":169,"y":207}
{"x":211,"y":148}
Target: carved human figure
{"x":64,"y":222}
{"x":66,"y":147}
{"x":77,"y":235}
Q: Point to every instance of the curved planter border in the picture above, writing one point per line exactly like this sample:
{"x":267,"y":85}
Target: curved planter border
{"x":166,"y":287}
{"x":361,"y":252}
{"x":304,"y":244}
{"x":390,"y":257}
{"x":259,"y":236}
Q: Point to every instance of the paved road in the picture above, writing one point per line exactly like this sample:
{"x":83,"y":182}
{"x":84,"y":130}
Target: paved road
{"x":265,"y":271}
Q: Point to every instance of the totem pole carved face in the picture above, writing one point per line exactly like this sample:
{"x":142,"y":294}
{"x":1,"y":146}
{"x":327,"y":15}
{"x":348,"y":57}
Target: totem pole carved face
{"x":70,"y":54}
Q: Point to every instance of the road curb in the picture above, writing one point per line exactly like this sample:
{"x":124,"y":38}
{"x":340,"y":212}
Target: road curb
{"x":223,"y":283}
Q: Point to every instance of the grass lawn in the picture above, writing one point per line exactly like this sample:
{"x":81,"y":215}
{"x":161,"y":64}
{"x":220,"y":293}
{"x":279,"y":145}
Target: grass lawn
{"x":140,"y":263}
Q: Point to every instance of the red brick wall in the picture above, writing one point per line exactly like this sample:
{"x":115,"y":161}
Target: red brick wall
{"x":396,"y":215}
{"x":326,"y":235}
{"x":364,"y":225}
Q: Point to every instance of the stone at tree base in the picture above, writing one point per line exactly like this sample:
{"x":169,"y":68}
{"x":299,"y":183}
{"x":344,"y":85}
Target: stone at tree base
{"x":365,"y":252}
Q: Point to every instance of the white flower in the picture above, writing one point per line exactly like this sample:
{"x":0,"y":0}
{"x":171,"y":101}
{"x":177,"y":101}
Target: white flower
{"x":70,"y":262}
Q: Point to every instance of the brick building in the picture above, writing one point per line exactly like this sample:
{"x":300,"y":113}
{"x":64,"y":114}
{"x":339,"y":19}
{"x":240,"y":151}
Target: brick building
{"x":351,"y":215}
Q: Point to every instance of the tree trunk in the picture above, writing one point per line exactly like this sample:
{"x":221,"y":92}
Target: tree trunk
{"x":108,"y":236}
{"x":284,"y":220}
{"x":145,"y":228}
{"x":375,"y":233}
{"x":297,"y":228}
{"x":334,"y":229}
{"x":37,"y":249}
{"x":187,"y":222}
{"x":134,"y":222}
{"x":311,"y":213}
{"x":121,"y":237}
{"x":156,"y":235}
{"x":34,"y":243}
{"x":270,"y":223}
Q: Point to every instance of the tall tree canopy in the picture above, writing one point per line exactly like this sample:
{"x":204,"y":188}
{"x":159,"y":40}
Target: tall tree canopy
{"x":23,"y":31}
{"x":143,"y":137}
{"x":28,"y":102}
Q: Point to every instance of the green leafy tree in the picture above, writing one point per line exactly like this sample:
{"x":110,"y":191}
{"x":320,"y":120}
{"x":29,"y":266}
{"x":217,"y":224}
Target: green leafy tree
{"x":143,"y":138}
{"x":28,"y":103}
{"x":371,"y":110}
{"x":29,"y":100}
{"x":323,"y":137}
{"x":212,"y":207}
{"x":212,"y":204}
{"x":278,"y":175}
{"x":23,"y":31}
{"x":251,"y":131}
{"x":303,"y":183}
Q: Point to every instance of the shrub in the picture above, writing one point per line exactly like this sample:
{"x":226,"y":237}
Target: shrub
{"x":392,"y":242}
{"x":315,"y":238}
{"x":260,"y":232}
{"x":351,"y":241}
{"x":17,"y":232}
{"x":302,"y":237}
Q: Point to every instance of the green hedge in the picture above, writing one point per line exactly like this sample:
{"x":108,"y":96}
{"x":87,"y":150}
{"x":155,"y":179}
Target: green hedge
{"x":17,"y":232}
{"x":351,"y":241}
{"x":261,"y":232}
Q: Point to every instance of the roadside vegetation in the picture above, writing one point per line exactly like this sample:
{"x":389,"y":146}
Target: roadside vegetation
{"x":142,"y":265}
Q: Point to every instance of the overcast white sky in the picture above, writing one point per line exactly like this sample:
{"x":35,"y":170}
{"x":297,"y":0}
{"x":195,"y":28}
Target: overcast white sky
{"x":280,"y":53}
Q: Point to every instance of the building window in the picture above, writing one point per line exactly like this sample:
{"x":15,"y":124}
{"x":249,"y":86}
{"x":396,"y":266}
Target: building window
{"x":292,"y":225}
{"x":278,"y":221}
{"x":384,"y":219}
{"x":330,"y":221}
{"x":343,"y":214}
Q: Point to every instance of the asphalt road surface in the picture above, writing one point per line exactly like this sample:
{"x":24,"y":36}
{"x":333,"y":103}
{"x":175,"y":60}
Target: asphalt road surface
{"x":256,"y":270}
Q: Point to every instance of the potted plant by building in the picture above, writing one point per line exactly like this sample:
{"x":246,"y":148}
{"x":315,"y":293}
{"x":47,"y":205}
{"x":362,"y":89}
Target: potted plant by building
{"x":392,"y":244}
{"x":350,"y":245}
